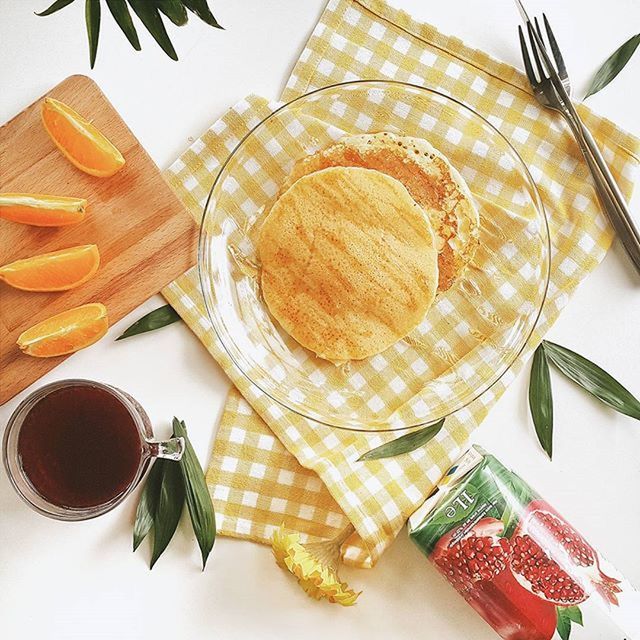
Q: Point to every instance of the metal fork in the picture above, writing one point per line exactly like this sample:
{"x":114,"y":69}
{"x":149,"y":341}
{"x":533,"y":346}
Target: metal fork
{"x":551,"y":87}
{"x":555,"y":49}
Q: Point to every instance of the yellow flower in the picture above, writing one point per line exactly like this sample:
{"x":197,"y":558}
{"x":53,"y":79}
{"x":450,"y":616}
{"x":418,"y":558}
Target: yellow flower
{"x":313,"y":565}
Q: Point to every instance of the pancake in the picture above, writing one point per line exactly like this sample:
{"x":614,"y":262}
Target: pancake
{"x":430,"y":179}
{"x":348,"y":262}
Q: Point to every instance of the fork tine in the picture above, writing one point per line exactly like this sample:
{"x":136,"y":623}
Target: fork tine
{"x":555,"y":49}
{"x":534,"y":49}
{"x":525,"y":57}
{"x":535,"y":19}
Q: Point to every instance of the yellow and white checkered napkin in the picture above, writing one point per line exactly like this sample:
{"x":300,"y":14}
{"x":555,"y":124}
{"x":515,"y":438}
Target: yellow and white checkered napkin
{"x":270,"y":466}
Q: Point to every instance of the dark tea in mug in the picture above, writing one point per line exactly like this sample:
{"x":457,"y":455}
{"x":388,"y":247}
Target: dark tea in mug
{"x":75,"y":449}
{"x":79,"y":446}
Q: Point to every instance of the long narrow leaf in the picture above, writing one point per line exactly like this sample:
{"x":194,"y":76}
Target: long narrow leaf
{"x":174,"y":10}
{"x":160,"y":317}
{"x":404,"y":444}
{"x":541,"y":400}
{"x":593,"y":379}
{"x":201,"y":9}
{"x":148,"y":13}
{"x":613,"y":65}
{"x":92,"y":18}
{"x":198,"y":499}
{"x":170,"y":505}
{"x":120,"y":12}
{"x":148,"y":504}
{"x":56,"y":6}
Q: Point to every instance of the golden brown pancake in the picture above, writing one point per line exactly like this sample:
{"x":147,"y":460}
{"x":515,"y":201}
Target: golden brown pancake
{"x":348,"y":262}
{"x":430,"y":179}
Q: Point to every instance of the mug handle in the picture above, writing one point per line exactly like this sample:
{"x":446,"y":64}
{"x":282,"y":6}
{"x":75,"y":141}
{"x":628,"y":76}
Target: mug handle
{"x":171,"y":449}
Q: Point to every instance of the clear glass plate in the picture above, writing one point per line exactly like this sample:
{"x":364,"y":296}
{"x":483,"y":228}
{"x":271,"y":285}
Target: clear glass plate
{"x":473,"y":332}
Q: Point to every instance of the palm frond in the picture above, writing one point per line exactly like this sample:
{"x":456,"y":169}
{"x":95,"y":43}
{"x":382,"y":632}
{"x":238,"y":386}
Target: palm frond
{"x":56,"y":6}
{"x":149,"y":12}
{"x":174,"y":10}
{"x":201,"y":9}
{"x":92,"y":18}
{"x":120,"y":12}
{"x":151,"y":19}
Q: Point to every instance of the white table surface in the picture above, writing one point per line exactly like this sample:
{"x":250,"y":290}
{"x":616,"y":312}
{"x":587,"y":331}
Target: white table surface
{"x":81,"y":580}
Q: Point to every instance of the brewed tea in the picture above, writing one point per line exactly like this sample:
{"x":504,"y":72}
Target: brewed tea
{"x":79,"y":446}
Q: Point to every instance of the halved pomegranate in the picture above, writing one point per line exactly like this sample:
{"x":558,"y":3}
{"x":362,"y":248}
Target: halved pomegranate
{"x":476,"y":565}
{"x":554,"y":562}
{"x":479,"y":555}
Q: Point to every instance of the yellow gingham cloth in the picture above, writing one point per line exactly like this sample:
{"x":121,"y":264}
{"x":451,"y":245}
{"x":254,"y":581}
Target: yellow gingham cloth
{"x":305,"y":474}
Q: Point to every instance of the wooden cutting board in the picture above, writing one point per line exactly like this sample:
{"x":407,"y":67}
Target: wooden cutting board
{"x":145,"y":236}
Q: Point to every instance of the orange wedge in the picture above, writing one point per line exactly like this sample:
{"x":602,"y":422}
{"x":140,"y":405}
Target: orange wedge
{"x":66,"y":332}
{"x":40,"y":210}
{"x":55,"y":271}
{"x":81,"y":142}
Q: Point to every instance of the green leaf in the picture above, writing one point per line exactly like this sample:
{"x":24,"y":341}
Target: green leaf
{"x":148,"y":503}
{"x":541,"y":400}
{"x":593,"y":379}
{"x":170,"y":505}
{"x":151,"y":19}
{"x":56,"y":6}
{"x":564,"y":625}
{"x":149,"y":12}
{"x":404,"y":444}
{"x":201,"y":9}
{"x":574,"y":614}
{"x":198,"y":499}
{"x":121,"y":15}
{"x":613,"y":65}
{"x":156,"y":319}
{"x":174,"y":10}
{"x":567,"y":615}
{"x":92,"y":18}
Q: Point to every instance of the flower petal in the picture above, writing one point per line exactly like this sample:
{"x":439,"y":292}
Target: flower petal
{"x":317,"y":580}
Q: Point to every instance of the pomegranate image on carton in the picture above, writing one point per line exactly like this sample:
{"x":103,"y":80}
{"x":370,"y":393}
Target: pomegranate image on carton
{"x":553,"y":561}
{"x":477,"y":565}
{"x":479,"y":555}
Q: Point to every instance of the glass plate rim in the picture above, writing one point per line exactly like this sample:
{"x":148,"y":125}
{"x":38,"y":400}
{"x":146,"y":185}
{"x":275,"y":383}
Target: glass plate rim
{"x":312,"y":416}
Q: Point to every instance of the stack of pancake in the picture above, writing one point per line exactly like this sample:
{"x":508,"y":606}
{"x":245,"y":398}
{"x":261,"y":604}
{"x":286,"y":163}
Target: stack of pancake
{"x":362,"y":236}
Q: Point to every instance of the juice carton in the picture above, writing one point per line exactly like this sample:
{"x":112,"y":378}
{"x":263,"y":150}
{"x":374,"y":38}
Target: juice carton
{"x":517,"y":561}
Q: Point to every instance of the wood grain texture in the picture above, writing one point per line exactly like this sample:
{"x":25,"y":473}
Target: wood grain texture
{"x":145,"y":236}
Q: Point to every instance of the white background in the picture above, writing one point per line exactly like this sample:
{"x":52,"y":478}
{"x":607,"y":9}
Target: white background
{"x":80,"y":580}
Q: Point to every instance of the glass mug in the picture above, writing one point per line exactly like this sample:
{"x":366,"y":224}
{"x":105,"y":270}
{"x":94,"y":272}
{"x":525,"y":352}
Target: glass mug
{"x":75,"y":449}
